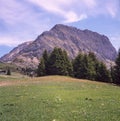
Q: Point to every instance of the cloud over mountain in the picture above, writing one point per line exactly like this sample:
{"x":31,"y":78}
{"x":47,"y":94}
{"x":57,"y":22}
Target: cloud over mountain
{"x":22,"y":20}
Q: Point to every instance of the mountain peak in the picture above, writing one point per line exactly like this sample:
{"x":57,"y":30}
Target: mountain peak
{"x":59,"y":26}
{"x":63,"y":27}
{"x":69,"y":38}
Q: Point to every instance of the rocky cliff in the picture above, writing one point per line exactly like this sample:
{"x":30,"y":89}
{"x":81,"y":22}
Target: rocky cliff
{"x":71,"y":39}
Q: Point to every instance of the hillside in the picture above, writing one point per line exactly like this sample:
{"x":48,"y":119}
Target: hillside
{"x":71,"y":39}
{"x":4,"y":66}
{"x":58,"y":98}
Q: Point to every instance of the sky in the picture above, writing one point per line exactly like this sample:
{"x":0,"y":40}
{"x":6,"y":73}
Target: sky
{"x":24,"y":20}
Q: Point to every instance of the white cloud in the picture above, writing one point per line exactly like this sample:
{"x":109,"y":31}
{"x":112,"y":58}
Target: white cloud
{"x":89,"y":3}
{"x":73,"y":17}
{"x":55,"y":6}
{"x":12,"y":11}
{"x":9,"y":41}
{"x":28,"y":18}
{"x":112,"y":7}
{"x":62,"y":8}
{"x":77,"y":10}
{"x":20,"y":22}
{"x":15,"y":12}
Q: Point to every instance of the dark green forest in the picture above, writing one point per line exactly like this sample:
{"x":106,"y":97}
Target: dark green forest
{"x":83,"y":66}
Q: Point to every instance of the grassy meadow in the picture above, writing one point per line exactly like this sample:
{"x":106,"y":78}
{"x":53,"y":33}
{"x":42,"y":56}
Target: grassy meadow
{"x":57,"y":98}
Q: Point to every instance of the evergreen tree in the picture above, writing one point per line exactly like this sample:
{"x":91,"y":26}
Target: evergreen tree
{"x":84,"y":67}
{"x":88,"y":67}
{"x":53,"y":61}
{"x":102,"y":74}
{"x":98,"y":70}
{"x":112,"y":74}
{"x":79,"y":66}
{"x":117,"y":69}
{"x":57,"y":63}
{"x":41,"y":68}
{"x":8,"y":71}
{"x":45,"y":56}
{"x":93,"y":57}
{"x":91,"y":63}
{"x":68,"y":64}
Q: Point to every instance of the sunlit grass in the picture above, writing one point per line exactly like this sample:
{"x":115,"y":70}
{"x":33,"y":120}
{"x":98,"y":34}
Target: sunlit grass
{"x":56,"y":98}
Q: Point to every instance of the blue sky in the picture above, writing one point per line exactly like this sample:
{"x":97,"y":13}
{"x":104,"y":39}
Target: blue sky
{"x":24,"y":20}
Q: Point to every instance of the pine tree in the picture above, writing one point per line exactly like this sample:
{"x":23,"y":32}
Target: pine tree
{"x":98,"y":70}
{"x":79,"y":67}
{"x":117,"y":69}
{"x":88,"y":67}
{"x":53,"y":61}
{"x":112,"y":73}
{"x":93,"y":57}
{"x":91,"y":63}
{"x":84,"y":66}
{"x":45,"y":56}
{"x":57,"y":63}
{"x":68,"y":64}
{"x":8,"y":71}
{"x":41,"y":68}
{"x":102,"y":74}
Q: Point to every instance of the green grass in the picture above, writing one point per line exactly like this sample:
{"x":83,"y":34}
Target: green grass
{"x":15,"y":76}
{"x":56,"y":98}
{"x":4,"y":66}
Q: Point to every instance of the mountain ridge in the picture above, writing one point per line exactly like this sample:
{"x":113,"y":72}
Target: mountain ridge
{"x":71,"y":39}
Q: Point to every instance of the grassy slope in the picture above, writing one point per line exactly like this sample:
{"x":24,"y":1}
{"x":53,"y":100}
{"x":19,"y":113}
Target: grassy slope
{"x":4,"y":66}
{"x":56,"y":98}
{"x":15,"y":76}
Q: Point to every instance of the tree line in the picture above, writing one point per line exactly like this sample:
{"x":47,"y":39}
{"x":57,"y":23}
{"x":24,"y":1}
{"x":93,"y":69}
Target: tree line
{"x":83,"y":66}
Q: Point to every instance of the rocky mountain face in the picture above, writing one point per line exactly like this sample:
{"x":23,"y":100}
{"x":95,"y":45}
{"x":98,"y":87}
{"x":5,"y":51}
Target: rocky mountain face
{"x":71,"y":39}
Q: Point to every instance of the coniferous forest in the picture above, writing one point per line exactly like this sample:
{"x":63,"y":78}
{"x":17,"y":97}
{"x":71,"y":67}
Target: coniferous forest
{"x":83,"y":66}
